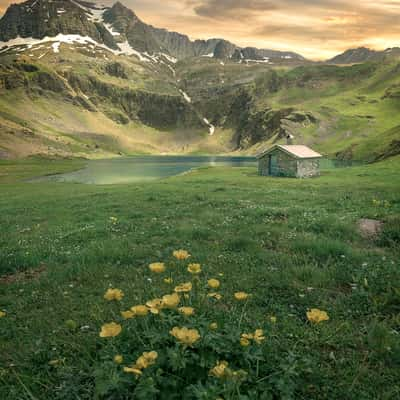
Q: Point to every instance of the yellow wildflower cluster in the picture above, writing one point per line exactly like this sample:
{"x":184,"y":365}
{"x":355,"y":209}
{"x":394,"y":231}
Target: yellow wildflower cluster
{"x":241,"y":296}
{"x":246,"y":338}
{"x":184,"y":287}
{"x":118,"y":359}
{"x":157,"y":268}
{"x":220,"y":370}
{"x":194,"y":269}
{"x":2,"y":314}
{"x":186,"y":311}
{"x":181,"y":254}
{"x":185,"y":335}
{"x":316,"y":316}
{"x":110,"y":330}
{"x":215,"y":295}
{"x":114,"y":294}
{"x":214,"y":283}
{"x":146,"y":360}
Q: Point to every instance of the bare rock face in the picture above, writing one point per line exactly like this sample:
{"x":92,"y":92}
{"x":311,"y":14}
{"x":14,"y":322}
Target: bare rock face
{"x":41,"y":18}
{"x":370,"y":228}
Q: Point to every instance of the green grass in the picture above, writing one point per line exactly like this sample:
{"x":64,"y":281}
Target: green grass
{"x":292,"y":244}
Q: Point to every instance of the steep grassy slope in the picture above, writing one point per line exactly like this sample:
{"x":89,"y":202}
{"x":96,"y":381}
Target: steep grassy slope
{"x":349,"y":112}
{"x":87,"y":102}
{"x":293,"y":245}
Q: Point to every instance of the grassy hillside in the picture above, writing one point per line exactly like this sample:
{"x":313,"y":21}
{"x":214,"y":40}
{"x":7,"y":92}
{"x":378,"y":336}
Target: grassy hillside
{"x":343,"y":111}
{"x":85,"y":101}
{"x":291,"y":244}
{"x":88,"y":102}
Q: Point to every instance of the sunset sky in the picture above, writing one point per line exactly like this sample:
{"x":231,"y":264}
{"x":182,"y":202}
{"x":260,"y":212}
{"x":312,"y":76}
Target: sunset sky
{"x":317,"y":29}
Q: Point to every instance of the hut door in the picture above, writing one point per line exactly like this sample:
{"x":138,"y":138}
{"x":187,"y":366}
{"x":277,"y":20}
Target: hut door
{"x":272,"y":164}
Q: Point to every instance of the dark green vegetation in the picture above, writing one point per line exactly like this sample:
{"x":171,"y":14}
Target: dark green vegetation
{"x":292,"y":244}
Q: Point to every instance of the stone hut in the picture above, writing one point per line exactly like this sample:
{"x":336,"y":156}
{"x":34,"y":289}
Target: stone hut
{"x":289,"y":160}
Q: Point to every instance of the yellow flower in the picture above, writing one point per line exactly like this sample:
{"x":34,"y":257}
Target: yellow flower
{"x":220,"y":370}
{"x":185,"y":336}
{"x":194,"y":269}
{"x":157,"y":268}
{"x":213,"y":283}
{"x":144,"y":361}
{"x":2,"y":314}
{"x":215,"y":296}
{"x":114,"y":294}
{"x":171,"y":300}
{"x":127,"y":314}
{"x":187,"y":311}
{"x":316,"y":316}
{"x":110,"y":330}
{"x":259,"y":336}
{"x":168,"y":280}
{"x":181,"y":254}
{"x":140,"y":311}
{"x":155,"y":305}
{"x":213,"y":326}
{"x":118,"y":359}
{"x":132,"y":370}
{"x":241,"y":296}
{"x":273,"y":319}
{"x":184,"y":287}
{"x":245,"y":339}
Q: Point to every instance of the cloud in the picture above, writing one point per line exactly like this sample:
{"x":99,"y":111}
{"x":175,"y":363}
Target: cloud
{"x":218,"y":8}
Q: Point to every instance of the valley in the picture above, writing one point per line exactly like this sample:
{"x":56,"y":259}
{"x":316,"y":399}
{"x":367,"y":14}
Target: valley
{"x":112,"y":85}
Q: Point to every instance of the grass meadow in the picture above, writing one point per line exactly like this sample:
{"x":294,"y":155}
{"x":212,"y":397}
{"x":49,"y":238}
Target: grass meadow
{"x":290,"y":245}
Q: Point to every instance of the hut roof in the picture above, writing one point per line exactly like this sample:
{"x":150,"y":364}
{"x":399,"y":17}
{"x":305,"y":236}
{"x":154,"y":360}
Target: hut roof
{"x":298,"y":151}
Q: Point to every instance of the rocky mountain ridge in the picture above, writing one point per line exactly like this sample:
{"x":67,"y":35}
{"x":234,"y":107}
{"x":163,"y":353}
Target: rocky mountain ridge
{"x":116,"y":27}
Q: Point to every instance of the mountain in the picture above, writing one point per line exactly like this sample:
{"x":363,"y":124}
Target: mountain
{"x":363,"y":54}
{"x":117,"y":27}
{"x":79,"y":80}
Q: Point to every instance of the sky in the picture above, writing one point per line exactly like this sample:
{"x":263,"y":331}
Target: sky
{"x":317,"y":29}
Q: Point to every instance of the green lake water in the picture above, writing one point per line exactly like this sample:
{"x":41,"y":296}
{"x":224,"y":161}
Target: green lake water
{"x":144,"y":168}
{"x":149,"y":168}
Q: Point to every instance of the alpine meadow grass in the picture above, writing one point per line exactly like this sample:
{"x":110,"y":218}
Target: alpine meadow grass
{"x":218,"y":284}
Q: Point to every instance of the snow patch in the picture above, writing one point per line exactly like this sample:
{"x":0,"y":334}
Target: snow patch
{"x":211,"y":127}
{"x":185,"y":96}
{"x":128,"y":50}
{"x":56,"y":47}
{"x":110,"y":29}
{"x":169,"y":58}
{"x":210,"y":55}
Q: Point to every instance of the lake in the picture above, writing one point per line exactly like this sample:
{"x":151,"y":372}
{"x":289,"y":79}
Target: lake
{"x":144,"y":168}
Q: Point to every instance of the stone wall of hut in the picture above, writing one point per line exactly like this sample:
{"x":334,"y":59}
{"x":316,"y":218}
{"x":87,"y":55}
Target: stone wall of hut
{"x":307,"y":168}
{"x":285,"y":165}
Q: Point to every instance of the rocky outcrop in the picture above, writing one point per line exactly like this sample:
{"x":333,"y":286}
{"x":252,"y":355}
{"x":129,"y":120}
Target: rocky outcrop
{"x":153,"y":109}
{"x":40,"y":18}
{"x":252,"y":53}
